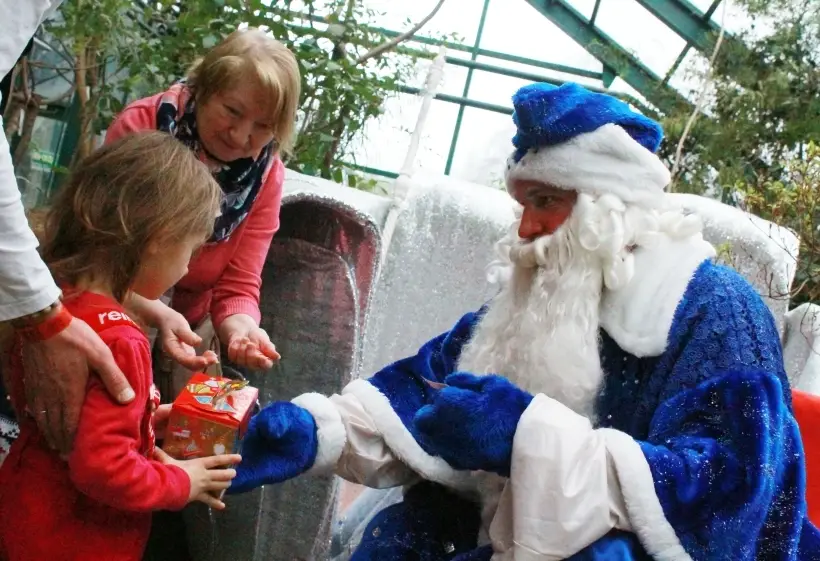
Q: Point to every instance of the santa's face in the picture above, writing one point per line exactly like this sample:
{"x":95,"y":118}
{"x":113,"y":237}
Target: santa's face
{"x":541,"y":331}
{"x":546,"y":208}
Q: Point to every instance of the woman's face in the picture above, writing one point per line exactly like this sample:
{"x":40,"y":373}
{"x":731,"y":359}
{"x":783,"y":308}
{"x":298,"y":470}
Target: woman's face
{"x":235,"y":123}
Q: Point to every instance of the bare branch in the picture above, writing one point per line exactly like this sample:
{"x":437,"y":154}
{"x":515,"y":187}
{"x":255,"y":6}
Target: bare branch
{"x":393,"y":43}
{"x":701,"y":100}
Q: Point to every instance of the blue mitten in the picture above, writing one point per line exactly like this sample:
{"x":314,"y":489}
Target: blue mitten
{"x":280,"y":444}
{"x":471,"y":422}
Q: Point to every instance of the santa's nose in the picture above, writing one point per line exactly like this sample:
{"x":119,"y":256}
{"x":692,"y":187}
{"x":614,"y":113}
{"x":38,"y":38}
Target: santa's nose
{"x":531,"y":227}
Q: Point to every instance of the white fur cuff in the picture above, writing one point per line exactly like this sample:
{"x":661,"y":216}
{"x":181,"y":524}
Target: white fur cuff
{"x":330,"y":430}
{"x":643,"y":507}
{"x":604,"y":161}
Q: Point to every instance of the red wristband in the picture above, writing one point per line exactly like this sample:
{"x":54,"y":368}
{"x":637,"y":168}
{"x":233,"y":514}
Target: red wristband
{"x":48,"y":328}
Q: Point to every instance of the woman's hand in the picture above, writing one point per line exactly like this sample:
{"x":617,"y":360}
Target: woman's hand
{"x":178,"y":341}
{"x":177,"y":338}
{"x":248,"y":344}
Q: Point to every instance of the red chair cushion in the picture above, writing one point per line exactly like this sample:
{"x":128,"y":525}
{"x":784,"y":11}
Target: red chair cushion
{"x":807,"y":413}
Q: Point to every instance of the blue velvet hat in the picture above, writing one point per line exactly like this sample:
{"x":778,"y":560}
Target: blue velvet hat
{"x":573,"y":138}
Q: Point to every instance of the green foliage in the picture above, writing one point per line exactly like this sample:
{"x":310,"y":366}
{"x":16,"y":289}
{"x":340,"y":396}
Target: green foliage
{"x":793,"y":199}
{"x":757,"y":141}
{"x":125,"y":49}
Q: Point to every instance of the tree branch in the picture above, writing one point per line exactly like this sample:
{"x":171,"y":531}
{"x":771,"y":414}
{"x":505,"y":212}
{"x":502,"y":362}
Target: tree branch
{"x":701,"y":100}
{"x":393,"y":43}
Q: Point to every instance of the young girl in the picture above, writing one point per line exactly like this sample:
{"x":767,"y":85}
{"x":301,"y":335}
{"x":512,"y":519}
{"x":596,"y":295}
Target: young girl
{"x":128,"y":220}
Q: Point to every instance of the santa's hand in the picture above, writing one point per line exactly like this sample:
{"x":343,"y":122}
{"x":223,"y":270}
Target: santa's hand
{"x":471,"y":422}
{"x":279,"y":445}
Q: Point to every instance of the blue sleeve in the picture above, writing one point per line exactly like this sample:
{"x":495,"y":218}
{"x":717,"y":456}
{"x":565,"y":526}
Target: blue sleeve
{"x":403,"y":382}
{"x":726,"y":462}
{"x":723,"y":447}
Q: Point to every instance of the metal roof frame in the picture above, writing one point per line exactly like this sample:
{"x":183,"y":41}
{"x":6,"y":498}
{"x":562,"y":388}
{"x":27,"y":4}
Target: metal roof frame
{"x":695,"y":27}
{"x":680,"y":16}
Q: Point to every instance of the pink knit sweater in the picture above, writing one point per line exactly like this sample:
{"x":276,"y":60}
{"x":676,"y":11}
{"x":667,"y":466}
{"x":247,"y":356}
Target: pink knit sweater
{"x":223,"y":278}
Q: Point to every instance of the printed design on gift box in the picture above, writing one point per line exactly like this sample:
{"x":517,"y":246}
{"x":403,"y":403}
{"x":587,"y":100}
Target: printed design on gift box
{"x":215,"y":393}
{"x":209,"y":417}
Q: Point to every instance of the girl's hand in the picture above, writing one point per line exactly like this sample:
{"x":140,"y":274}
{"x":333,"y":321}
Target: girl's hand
{"x":209,"y":477}
{"x":161,"y":416}
{"x":248,"y":344}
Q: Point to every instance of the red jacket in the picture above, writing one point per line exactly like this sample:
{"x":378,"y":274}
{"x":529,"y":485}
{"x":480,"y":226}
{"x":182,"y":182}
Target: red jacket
{"x":223,"y":278}
{"x":97,"y":505}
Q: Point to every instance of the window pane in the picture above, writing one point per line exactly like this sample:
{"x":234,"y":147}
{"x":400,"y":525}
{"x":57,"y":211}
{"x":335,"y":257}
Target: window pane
{"x":384,"y":142}
{"x":656,"y":46}
{"x":484,"y":143}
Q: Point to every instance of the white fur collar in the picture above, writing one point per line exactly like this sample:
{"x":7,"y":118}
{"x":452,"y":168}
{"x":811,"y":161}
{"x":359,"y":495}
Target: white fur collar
{"x":639,"y":315}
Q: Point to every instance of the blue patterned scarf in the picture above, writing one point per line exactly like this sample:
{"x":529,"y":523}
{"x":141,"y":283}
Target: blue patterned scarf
{"x":240,"y":180}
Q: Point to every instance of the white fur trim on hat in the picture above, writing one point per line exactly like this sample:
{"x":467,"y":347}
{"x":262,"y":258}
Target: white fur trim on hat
{"x":606,"y":160}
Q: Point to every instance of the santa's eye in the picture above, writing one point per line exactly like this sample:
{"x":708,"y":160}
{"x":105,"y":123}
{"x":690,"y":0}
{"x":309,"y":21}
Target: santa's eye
{"x":544,"y":201}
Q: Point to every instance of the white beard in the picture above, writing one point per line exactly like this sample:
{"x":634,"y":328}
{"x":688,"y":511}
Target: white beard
{"x":541,"y":331}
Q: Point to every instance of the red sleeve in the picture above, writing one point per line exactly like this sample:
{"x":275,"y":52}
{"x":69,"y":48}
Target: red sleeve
{"x":106,"y":463}
{"x":237,"y":291}
{"x":138,"y":116}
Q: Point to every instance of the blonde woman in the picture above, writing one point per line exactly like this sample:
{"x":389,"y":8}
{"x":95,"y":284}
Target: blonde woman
{"x":236,"y":111}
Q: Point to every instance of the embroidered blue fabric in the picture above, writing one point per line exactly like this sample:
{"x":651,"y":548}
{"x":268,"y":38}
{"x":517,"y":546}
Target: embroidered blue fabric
{"x":712,"y":416}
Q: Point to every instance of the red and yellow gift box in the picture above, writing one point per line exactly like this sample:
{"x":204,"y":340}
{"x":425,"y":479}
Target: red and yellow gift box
{"x":209,"y":417}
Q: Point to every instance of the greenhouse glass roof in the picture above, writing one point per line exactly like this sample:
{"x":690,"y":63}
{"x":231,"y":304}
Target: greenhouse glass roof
{"x":652,"y":52}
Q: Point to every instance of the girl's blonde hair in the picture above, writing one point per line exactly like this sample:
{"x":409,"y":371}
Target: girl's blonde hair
{"x":251,"y":54}
{"x":145,"y":187}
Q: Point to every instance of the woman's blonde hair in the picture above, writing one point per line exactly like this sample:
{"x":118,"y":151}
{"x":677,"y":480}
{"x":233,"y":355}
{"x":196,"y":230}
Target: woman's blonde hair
{"x":145,"y":187}
{"x":251,"y":54}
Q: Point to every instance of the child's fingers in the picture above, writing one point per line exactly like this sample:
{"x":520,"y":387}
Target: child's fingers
{"x":211,"y":501}
{"x":221,"y":475}
{"x":161,"y":456}
{"x":218,"y":485}
{"x":220,"y":461}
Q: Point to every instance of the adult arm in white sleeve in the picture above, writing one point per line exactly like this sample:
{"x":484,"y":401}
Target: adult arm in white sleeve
{"x":56,"y":369}
{"x":350,"y":443}
{"x":26,"y":286}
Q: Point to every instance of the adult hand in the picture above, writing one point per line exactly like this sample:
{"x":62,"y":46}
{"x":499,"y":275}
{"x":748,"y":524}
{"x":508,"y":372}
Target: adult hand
{"x":178,"y":341}
{"x":471,"y":422}
{"x":248,"y":344}
{"x":175,"y":334}
{"x":56,"y":373}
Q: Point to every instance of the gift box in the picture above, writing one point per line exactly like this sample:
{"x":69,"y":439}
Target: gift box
{"x":209,"y":417}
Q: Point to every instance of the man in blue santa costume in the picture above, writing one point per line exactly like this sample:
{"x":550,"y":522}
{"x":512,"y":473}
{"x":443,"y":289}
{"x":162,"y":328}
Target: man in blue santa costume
{"x":622,"y":397}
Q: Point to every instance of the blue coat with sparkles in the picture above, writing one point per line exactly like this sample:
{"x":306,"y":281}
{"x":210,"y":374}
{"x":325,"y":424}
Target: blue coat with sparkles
{"x":712,"y":416}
